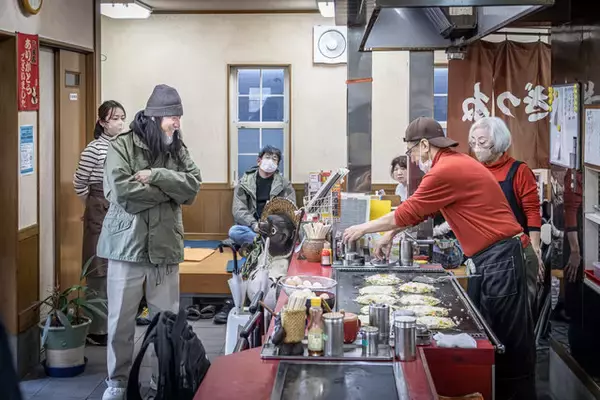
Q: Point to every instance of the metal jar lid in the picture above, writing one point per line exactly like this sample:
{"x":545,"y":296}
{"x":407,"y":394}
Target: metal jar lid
{"x":370,"y":329}
{"x":405,"y":322}
{"x":404,"y":313}
{"x":378,"y":306}
{"x":333,"y":315}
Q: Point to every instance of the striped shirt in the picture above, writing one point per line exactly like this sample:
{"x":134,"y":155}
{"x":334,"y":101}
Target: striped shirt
{"x":91,"y":165}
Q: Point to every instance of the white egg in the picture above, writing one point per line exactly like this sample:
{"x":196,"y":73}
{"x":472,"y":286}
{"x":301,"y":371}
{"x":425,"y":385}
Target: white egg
{"x":324,"y":296}
{"x":307,"y":284}
{"x":291,"y":282}
{"x":317,"y":285}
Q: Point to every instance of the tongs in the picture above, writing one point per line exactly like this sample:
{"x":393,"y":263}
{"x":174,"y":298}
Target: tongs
{"x":430,"y":280}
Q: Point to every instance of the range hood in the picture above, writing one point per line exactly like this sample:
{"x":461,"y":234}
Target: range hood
{"x":425,"y":25}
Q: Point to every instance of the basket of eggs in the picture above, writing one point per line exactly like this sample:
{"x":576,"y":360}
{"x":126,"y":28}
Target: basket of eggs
{"x":318,"y":285}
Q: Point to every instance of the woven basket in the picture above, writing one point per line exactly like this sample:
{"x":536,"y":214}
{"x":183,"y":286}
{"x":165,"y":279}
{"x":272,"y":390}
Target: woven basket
{"x":294,"y":324}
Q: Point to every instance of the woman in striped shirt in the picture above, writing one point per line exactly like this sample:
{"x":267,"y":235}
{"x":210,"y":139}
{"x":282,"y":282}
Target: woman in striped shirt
{"x":88,"y":183}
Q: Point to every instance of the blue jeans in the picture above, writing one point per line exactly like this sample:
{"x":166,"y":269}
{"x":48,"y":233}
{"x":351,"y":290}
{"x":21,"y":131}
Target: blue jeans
{"x":242,"y":234}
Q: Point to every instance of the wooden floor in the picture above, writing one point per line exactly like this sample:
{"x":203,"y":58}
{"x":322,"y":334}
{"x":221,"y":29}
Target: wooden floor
{"x":207,"y":277}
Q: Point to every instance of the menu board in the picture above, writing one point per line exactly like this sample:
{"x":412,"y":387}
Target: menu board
{"x":564,"y":125}
{"x":591,"y":140}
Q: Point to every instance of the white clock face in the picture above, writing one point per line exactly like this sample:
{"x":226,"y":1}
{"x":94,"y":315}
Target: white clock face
{"x":35,"y":4}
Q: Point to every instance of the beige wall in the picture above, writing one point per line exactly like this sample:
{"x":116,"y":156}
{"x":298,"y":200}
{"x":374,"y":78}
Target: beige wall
{"x":191,"y":52}
{"x":67,"y":21}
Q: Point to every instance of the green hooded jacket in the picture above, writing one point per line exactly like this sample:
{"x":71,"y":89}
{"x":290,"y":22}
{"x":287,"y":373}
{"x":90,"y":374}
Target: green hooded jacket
{"x":144,"y":222}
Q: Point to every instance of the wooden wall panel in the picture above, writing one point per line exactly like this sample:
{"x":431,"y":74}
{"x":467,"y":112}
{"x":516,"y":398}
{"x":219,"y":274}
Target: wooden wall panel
{"x":209,"y":218}
{"x":28,"y":276}
{"x":9,"y":126}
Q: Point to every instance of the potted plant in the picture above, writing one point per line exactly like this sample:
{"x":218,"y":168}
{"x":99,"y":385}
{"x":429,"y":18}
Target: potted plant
{"x":65,"y":328}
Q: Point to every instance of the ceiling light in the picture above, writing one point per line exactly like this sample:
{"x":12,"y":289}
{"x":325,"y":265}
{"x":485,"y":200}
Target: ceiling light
{"x":125,"y":10}
{"x":326,"y":8}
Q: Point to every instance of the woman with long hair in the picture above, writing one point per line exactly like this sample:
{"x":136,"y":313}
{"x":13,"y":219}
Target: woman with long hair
{"x":88,"y":186}
{"x":148,"y":175}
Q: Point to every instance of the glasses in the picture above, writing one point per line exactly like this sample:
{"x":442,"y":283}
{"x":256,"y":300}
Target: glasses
{"x":411,"y":149}
{"x":484,"y":145}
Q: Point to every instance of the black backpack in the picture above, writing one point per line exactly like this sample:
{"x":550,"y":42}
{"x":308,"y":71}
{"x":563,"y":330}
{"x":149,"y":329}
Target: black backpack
{"x":182,"y":360}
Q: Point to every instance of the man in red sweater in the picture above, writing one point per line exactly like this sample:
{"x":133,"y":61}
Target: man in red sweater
{"x":472,"y":202}
{"x":489,"y":138}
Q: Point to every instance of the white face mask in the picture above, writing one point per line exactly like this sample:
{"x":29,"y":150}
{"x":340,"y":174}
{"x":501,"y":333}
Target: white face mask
{"x":424,"y":166}
{"x":484,"y":155}
{"x":268,"y":166}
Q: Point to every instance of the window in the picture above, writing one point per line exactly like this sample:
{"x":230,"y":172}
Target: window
{"x":440,"y":95}
{"x":259,"y":110}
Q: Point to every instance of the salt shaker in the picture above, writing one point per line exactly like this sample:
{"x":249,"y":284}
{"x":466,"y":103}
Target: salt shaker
{"x":405,"y":338}
{"x":379,"y":316}
{"x":370,"y":340}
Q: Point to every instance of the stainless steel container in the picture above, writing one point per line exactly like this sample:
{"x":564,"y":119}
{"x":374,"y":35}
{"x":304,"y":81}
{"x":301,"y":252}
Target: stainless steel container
{"x":379,"y":316}
{"x":423,"y":335}
{"x":370,"y":340}
{"x":405,"y":338}
{"x":406,"y":253}
{"x":333,"y":334}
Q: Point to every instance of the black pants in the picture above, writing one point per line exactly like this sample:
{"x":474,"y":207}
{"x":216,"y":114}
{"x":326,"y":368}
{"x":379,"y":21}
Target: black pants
{"x":9,"y":381}
{"x":500,"y":294}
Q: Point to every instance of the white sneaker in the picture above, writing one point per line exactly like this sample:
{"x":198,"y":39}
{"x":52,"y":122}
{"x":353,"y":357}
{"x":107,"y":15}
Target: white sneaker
{"x":112,"y":393}
{"x":153,"y":384}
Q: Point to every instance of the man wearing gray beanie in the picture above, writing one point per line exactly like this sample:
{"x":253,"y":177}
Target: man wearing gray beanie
{"x":148,"y":175}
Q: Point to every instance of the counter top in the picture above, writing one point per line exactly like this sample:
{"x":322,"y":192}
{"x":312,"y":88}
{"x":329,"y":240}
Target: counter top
{"x":246,"y":375}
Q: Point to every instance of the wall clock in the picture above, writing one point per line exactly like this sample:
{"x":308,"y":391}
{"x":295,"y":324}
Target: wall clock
{"x":32,"y":6}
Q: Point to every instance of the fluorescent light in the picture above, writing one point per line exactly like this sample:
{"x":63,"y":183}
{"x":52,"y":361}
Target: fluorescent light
{"x":327,"y":9}
{"x":125,"y":11}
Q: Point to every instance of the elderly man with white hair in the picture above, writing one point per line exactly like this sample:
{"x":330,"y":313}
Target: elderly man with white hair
{"x":489,"y":138}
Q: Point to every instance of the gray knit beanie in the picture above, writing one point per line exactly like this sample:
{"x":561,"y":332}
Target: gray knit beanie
{"x":164,"y":102}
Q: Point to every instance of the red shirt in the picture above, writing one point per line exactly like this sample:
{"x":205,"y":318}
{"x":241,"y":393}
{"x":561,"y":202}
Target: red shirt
{"x":572,"y":199}
{"x":524,"y":186}
{"x":469,"y":198}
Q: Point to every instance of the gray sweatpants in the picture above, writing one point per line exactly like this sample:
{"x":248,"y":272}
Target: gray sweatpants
{"x":126,"y":282}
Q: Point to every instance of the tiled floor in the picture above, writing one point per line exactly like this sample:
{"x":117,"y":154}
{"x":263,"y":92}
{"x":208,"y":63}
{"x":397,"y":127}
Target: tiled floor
{"x":90,"y":385}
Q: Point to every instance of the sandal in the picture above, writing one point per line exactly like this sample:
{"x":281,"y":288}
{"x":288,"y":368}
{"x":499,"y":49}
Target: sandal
{"x":193,"y":313}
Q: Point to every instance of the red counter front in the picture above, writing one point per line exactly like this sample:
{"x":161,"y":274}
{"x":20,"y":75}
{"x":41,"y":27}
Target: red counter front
{"x":444,"y":372}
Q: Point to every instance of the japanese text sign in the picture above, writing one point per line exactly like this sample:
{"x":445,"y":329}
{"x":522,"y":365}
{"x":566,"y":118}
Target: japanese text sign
{"x":28,"y":72}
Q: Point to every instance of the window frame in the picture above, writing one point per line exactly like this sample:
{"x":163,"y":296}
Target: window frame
{"x":444,"y":124}
{"x":234,"y":125}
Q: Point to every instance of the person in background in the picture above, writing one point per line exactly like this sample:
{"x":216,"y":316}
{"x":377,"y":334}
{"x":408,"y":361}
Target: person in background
{"x":148,"y":175}
{"x":398,"y":172}
{"x":490,"y":139}
{"x":88,"y":186}
{"x":473,"y":204}
{"x":9,"y":380}
{"x":257,"y":186}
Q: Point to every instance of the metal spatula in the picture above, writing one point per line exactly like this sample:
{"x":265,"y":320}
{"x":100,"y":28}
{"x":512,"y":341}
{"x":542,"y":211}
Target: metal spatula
{"x":430,"y":280}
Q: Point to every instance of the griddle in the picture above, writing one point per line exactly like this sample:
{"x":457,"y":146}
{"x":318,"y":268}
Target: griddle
{"x":452,"y":296}
{"x":335,"y":381}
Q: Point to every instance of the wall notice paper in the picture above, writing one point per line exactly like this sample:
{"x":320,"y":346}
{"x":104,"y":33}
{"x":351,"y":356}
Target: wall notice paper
{"x":591,"y":141}
{"x":26,"y":149}
{"x":564,"y":125}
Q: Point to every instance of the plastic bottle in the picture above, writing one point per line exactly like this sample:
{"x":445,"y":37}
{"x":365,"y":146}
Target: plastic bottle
{"x":326,"y":255}
{"x":315,"y":328}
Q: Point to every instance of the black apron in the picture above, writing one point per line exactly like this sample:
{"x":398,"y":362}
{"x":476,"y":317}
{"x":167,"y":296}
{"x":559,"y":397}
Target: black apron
{"x":507,"y":186}
{"x":96,"y":207}
{"x":500,"y":294}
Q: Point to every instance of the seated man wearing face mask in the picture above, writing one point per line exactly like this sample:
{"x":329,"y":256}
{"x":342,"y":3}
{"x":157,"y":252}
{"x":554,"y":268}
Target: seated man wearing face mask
{"x":473,"y":204}
{"x":258,"y":185}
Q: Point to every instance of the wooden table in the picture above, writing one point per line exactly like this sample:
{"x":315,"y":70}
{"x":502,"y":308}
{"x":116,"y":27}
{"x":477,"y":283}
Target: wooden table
{"x":207,"y":277}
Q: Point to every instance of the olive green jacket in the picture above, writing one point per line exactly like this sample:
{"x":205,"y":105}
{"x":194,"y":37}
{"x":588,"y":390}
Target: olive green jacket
{"x":143,"y":223}
{"x":244,"y":196}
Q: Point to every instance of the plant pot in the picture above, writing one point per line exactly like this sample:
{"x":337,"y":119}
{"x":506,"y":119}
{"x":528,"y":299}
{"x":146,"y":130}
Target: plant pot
{"x":312,"y":249}
{"x":65,"y":349}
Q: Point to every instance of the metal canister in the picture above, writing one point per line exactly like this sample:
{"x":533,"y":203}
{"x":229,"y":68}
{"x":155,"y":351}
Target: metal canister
{"x":423,"y":335}
{"x":333,"y":334}
{"x":406,"y":253}
{"x":405,"y":338}
{"x":370,"y":340}
{"x":379,"y":316}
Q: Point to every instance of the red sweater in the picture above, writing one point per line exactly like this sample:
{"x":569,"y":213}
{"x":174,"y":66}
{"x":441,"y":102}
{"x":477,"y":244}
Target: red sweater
{"x":469,"y":198}
{"x":524,"y":186}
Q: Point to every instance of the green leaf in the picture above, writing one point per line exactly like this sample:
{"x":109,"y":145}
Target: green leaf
{"x":94,"y":310}
{"x":72,"y":289}
{"x":86,"y":266}
{"x":64,"y":320}
{"x":46,"y":329}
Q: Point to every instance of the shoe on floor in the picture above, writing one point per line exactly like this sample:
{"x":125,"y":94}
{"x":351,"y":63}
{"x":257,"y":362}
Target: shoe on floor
{"x":221,"y":316}
{"x":143,"y":317}
{"x":97,"y":340}
{"x":112,"y":393}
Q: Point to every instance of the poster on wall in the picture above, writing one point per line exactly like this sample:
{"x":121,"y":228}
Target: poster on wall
{"x":564,"y":125}
{"x":591,"y":146}
{"x":28,"y":75}
{"x":26,"y":150}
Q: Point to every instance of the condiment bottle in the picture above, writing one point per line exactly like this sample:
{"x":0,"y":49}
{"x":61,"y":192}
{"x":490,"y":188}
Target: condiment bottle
{"x":326,"y":255}
{"x":315,"y":328}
